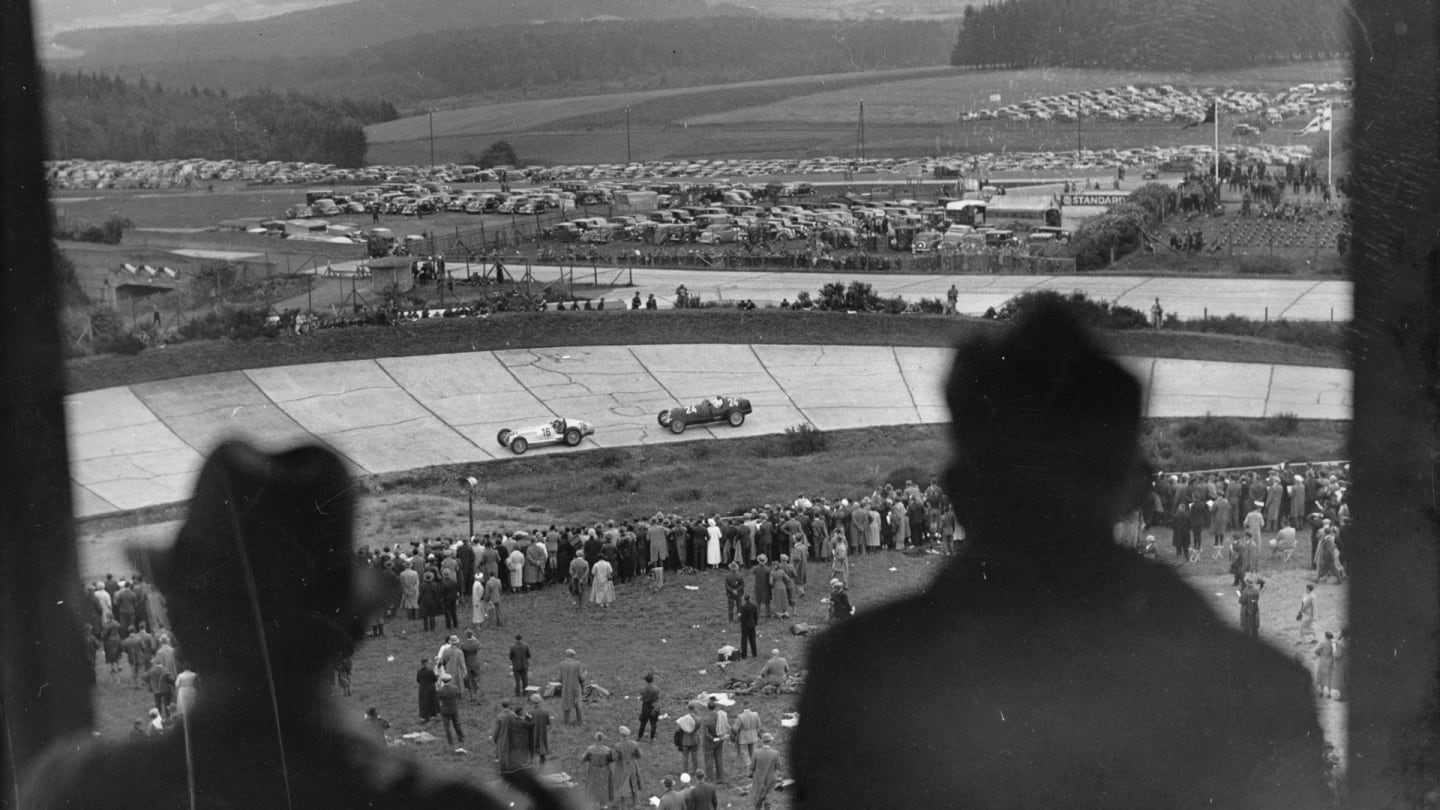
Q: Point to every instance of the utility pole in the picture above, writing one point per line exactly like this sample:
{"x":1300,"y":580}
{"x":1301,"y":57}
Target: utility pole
{"x":432,"y":140}
{"x":860,"y":138}
{"x":627,"y":136}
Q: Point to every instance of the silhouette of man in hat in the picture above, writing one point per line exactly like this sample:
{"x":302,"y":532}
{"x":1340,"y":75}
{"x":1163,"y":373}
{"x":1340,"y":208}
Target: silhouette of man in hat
{"x":265,"y":595}
{"x":1059,"y":667}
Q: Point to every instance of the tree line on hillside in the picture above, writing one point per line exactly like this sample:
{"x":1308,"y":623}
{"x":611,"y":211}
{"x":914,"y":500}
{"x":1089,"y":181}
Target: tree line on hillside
{"x":1149,"y":34}
{"x":565,"y":59}
{"x":107,"y":118}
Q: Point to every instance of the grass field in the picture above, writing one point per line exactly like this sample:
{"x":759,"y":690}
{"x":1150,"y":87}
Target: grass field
{"x":907,"y":113}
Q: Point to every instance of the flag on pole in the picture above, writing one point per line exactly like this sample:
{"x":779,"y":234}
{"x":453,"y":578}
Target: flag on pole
{"x":1320,"y":123}
{"x":1208,"y":119}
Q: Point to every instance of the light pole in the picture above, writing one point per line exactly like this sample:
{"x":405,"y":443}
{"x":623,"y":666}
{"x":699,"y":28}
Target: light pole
{"x":470,"y":484}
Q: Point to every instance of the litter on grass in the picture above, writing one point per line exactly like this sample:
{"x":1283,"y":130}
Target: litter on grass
{"x":420,"y":737}
{"x":790,"y":720}
{"x":692,"y":587}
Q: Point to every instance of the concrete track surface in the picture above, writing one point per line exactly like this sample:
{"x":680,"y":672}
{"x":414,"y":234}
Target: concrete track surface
{"x":142,"y":445}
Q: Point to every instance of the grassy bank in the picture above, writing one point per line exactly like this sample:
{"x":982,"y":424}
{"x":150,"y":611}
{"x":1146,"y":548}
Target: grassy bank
{"x":512,"y":330}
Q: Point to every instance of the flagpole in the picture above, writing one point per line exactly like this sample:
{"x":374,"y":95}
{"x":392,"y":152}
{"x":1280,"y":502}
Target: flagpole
{"x":1216,"y":115}
{"x":1330,"y":147}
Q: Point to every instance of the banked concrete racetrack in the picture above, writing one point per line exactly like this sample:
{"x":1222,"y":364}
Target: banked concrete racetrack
{"x":142,"y":445}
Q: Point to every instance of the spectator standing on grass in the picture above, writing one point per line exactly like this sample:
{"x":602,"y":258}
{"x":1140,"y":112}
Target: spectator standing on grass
{"x":430,"y":600}
{"x":579,"y":578}
{"x":477,"y":600}
{"x":649,"y":714}
{"x":492,"y":598}
{"x":514,"y":738}
{"x":515,"y":564}
{"x":572,"y":687}
{"x":627,"y":783}
{"x":535,"y":557}
{"x":779,"y":590}
{"x":716,"y":728}
{"x":762,"y":584}
{"x":448,"y":695}
{"x":1180,"y":529}
{"x":765,"y":773}
{"x":1325,"y":664}
{"x":542,"y":720}
{"x":749,"y":620}
{"x":687,"y":739}
{"x":1274,"y":496}
{"x":746,"y":730}
{"x":410,"y":591}
{"x":470,"y":650}
{"x":426,"y":680}
{"x":602,"y":585}
{"x":599,"y":780}
{"x":734,"y":591}
{"x":1306,"y":615}
{"x":1250,"y":607}
{"x":1045,"y":436}
{"x":658,"y":534}
{"x":1219,"y":523}
{"x":840,"y":607}
{"x":520,"y":664}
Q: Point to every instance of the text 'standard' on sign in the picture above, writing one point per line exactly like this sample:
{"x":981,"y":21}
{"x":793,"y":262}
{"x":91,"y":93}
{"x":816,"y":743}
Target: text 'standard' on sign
{"x":1100,"y":200}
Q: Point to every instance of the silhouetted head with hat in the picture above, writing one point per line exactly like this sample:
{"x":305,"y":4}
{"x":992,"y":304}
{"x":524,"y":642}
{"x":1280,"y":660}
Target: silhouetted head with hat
{"x":1045,"y":425}
{"x":266,"y":553}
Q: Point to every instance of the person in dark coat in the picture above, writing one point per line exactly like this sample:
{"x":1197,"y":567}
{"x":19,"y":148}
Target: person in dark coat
{"x":749,"y":619}
{"x":1040,"y":646}
{"x":426,"y":680}
{"x":465,"y":555}
{"x":518,"y":752}
{"x":762,"y":583}
{"x":432,"y":602}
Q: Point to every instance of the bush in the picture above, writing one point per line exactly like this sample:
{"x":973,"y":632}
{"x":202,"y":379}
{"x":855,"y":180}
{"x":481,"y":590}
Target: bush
{"x":236,"y":324}
{"x":804,"y":439}
{"x":1282,"y":424}
{"x":109,"y":232}
{"x":895,"y":305}
{"x":1213,"y":434}
{"x":858,"y":297}
{"x":109,"y":335}
{"x":1095,"y":314}
{"x":931,"y":306}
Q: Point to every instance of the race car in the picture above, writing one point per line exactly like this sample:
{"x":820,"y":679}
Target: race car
{"x":556,"y":431}
{"x":711,"y":409}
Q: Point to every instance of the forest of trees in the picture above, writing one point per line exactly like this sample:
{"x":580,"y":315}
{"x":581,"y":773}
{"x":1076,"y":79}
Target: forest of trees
{"x":106,"y":118}
{"x":565,"y":58}
{"x":1151,"y":34}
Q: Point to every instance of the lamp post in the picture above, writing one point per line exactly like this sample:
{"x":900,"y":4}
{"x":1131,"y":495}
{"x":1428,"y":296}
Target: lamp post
{"x":470,"y":483}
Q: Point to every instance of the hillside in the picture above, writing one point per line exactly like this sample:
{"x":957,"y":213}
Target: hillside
{"x":563,"y":58}
{"x":335,"y":30}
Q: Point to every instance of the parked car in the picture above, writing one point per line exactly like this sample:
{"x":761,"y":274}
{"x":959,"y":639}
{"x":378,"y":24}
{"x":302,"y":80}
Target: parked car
{"x":569,"y":432}
{"x":712,"y":409}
